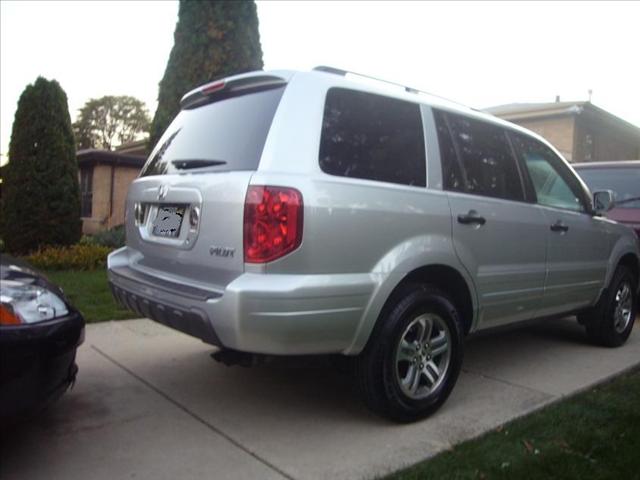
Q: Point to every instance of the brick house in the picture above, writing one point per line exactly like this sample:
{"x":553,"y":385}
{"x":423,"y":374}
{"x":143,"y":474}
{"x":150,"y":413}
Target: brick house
{"x":581,"y":131}
{"x":105,"y":177}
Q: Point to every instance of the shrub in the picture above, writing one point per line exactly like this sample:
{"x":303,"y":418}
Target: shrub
{"x":75,"y":257}
{"x":113,"y":238}
{"x":86,"y":240}
{"x":41,"y":198}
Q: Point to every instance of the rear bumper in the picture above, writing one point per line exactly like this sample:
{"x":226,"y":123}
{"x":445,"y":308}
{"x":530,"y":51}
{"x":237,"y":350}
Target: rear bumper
{"x":258,"y":313}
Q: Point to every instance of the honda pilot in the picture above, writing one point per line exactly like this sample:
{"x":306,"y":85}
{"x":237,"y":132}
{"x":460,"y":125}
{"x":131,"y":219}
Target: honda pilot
{"x":325,"y":212}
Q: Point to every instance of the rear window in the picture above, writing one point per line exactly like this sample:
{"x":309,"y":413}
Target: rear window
{"x":625,"y":183}
{"x":225,"y":135}
{"x":372,"y":137}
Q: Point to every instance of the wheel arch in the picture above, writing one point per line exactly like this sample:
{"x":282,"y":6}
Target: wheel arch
{"x":632,"y":262}
{"x":625,"y":252}
{"x":451,"y":280}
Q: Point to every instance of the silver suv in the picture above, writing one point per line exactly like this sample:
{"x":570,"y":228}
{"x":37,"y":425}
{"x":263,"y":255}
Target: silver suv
{"x":321,"y":212}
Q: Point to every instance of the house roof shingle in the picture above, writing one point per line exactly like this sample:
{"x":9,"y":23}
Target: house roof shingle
{"x":93,"y":156}
{"x":533,"y":111}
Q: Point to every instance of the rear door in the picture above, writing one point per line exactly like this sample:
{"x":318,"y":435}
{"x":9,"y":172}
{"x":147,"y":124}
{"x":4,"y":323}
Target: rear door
{"x":185,"y":212}
{"x":497,"y":234}
{"x":578,"y":242}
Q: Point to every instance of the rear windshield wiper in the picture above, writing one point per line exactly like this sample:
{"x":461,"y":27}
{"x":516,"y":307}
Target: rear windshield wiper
{"x":196,"y":163}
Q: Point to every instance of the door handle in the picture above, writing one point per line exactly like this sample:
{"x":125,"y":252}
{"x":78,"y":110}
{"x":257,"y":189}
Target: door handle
{"x":471,"y":218}
{"x":559,"y":227}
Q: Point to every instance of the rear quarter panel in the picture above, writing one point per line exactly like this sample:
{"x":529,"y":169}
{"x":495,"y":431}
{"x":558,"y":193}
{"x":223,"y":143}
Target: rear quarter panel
{"x":378,"y":230}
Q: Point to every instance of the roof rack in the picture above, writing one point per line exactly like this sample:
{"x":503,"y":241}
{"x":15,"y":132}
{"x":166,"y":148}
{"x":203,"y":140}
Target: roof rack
{"x":344,"y":73}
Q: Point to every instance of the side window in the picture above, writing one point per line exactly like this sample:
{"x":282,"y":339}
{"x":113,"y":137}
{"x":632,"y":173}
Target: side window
{"x":552,"y":182}
{"x":486,"y":165}
{"x":372,"y":137}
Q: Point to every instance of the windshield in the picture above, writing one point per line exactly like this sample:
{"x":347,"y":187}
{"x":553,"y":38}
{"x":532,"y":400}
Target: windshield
{"x":225,"y":135}
{"x":625,"y":183}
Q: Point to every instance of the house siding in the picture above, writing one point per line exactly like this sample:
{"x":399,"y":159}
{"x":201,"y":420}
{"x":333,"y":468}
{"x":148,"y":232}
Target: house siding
{"x":122,"y":179}
{"x":581,"y":131}
{"x":558,"y":131}
{"x":100,"y":203}
{"x":104,"y":215}
{"x":609,"y":142}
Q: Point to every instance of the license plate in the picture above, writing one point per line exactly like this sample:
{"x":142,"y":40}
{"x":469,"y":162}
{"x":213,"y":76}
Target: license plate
{"x":168,"y":221}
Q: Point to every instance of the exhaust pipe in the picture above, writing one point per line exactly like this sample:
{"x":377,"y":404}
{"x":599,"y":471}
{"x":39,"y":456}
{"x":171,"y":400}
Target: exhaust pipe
{"x":233,"y":357}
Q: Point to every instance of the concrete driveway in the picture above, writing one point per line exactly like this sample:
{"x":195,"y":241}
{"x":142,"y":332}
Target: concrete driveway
{"x":150,"y":404}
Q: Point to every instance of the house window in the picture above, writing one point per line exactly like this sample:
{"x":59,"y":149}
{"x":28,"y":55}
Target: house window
{"x":86,"y":191}
{"x":588,"y":147}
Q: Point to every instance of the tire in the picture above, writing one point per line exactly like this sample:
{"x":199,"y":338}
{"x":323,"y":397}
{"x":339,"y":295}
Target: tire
{"x":386,"y":373}
{"x":606,"y":323}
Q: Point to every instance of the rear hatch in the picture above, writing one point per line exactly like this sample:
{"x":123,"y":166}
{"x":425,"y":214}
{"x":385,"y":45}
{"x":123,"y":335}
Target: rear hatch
{"x":185,"y":212}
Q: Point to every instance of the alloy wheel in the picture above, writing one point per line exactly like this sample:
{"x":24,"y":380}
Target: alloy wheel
{"x":423,"y":356}
{"x":623,"y":307}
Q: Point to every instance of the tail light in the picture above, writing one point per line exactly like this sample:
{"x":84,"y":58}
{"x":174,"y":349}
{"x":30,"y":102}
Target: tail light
{"x":272,"y":222}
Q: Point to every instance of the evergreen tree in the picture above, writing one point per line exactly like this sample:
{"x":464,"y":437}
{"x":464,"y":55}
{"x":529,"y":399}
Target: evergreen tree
{"x":41,"y":198}
{"x":212,"y":39}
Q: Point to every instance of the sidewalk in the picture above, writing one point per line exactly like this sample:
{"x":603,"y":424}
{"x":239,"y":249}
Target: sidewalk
{"x":150,"y":404}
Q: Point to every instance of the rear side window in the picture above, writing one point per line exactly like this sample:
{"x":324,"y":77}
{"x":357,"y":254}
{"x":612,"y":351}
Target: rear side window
{"x":477,"y":158}
{"x":225,"y":135}
{"x":372,"y":137}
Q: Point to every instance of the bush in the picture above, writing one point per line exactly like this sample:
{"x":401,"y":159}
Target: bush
{"x":41,"y":198}
{"x":86,"y":240}
{"x":113,"y":238}
{"x":75,"y":257}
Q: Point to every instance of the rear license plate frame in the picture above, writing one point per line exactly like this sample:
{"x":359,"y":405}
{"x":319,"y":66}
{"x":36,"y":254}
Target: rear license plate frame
{"x":168,"y":221}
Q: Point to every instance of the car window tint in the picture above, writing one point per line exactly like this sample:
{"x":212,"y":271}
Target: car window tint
{"x":372,"y":137}
{"x":625,"y":183}
{"x":486,"y":158}
{"x":550,"y":180}
{"x":231,"y":131}
{"x":452,"y":177}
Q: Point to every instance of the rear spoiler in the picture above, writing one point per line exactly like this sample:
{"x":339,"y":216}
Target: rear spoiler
{"x":225,"y":88}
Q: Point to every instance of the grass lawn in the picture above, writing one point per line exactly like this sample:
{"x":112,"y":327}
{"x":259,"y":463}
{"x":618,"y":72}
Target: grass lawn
{"x":89,"y":292}
{"x":594,"y":435}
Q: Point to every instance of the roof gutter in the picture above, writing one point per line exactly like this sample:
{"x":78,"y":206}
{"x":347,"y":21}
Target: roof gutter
{"x":536,"y":114}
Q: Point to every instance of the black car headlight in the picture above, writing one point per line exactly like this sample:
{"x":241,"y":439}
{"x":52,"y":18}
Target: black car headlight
{"x":24,"y":303}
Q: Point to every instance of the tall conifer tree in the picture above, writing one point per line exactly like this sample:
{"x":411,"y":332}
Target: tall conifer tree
{"x":41,"y":199}
{"x":212,"y":39}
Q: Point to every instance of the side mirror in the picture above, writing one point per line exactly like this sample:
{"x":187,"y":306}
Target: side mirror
{"x":603,"y":201}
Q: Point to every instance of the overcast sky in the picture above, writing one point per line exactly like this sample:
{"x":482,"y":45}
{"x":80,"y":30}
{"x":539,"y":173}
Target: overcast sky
{"x":481,"y":54}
